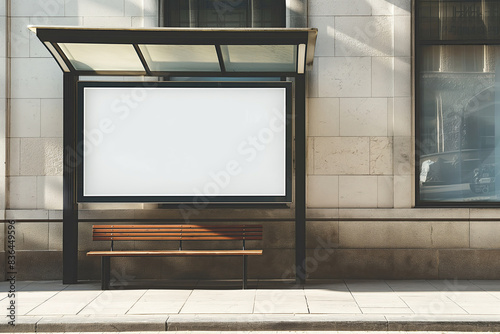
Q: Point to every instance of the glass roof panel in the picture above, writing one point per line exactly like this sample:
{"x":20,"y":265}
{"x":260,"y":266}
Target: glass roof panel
{"x":181,"y":57}
{"x":260,"y":58}
{"x":102,"y":57}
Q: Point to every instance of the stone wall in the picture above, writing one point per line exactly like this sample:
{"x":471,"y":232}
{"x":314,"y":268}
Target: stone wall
{"x":360,"y":178}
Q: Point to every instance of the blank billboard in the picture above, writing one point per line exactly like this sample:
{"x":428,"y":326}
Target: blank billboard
{"x":178,"y":142}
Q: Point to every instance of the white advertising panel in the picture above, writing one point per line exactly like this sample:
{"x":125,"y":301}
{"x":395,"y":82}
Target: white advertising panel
{"x":170,"y":143}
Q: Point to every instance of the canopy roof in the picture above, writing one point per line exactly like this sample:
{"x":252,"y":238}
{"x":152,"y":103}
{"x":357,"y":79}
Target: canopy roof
{"x":180,"y":51}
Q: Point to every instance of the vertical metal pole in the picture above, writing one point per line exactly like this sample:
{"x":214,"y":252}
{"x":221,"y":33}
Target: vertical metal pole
{"x":300,"y":179}
{"x":71,"y":160}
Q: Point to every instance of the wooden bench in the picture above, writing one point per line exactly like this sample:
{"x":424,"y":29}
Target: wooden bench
{"x":178,"y":233}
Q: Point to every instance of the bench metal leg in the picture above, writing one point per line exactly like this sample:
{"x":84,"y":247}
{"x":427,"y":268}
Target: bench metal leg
{"x":244,"y":272}
{"x":105,"y":272}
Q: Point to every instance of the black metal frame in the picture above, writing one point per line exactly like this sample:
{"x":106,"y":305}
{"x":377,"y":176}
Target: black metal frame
{"x":50,"y":36}
{"x":286,"y":198}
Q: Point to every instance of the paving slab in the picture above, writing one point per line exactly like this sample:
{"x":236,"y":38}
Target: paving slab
{"x":101,"y":324}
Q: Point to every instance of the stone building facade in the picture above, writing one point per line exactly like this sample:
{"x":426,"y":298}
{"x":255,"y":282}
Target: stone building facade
{"x":363,"y":220}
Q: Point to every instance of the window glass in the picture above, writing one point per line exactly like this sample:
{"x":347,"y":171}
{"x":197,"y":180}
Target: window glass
{"x":459,"y":115}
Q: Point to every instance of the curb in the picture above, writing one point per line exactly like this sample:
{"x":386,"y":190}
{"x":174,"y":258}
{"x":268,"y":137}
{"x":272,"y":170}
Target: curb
{"x":253,"y":322}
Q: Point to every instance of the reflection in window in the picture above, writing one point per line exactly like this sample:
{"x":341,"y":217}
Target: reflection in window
{"x":459,"y":123}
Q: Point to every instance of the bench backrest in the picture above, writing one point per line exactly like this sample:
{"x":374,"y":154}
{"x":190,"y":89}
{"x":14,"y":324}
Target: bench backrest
{"x":182,"y":232}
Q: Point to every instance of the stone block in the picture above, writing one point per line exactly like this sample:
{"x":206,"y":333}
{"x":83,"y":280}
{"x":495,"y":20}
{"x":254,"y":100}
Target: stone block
{"x":403,"y":155}
{"x":55,"y":236}
{"x":402,"y":117}
{"x":22,"y":192}
{"x":41,"y":156}
{"x":39,"y":265}
{"x":52,"y":118}
{"x":274,"y":263}
{"x":403,"y":191}
{"x":363,"y":117}
{"x":19,"y":37}
{"x":469,"y":264}
{"x":358,"y":191}
{"x":484,"y":234}
{"x":94,"y":8}
{"x":379,"y":264}
{"x":402,"y":76}
{"x":384,"y":234}
{"x":26,"y":214}
{"x":322,"y":191}
{"x":382,"y":7}
{"x":341,"y":155}
{"x":325,"y":42}
{"x":361,"y":36}
{"x":322,"y":234}
{"x":37,"y":8}
{"x":25,"y":118}
{"x":32,"y":236}
{"x":385,"y":191}
{"x":310,"y":156}
{"x":382,"y":76}
{"x":381,"y":155}
{"x":402,"y":36}
{"x":134,"y":7}
{"x":450,"y":234}
{"x":35,"y":78}
{"x":338,"y":7}
{"x":14,"y":156}
{"x":323,"y":117}
{"x":107,"y":22}
{"x":50,"y":192}
{"x":312,"y":78}
{"x":344,"y":76}
{"x":402,"y":7}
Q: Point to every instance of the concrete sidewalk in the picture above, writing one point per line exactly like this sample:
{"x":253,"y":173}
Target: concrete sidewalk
{"x":357,"y":305}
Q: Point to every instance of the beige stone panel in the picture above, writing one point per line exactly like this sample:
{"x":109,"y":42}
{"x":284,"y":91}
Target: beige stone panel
{"x":363,"y":117}
{"x":323,"y":117}
{"x":322,"y":191}
{"x":322,"y":234}
{"x":25,"y":118}
{"x":403,"y":191}
{"x":404,"y":213}
{"x":107,"y":22}
{"x":94,"y":8}
{"x":402,"y":7}
{"x":52,"y":118}
{"x":484,"y":234}
{"x":344,"y":76}
{"x":37,"y":8}
{"x":450,"y":234}
{"x":22,"y":192}
{"x":55,"y":236}
{"x":358,"y":36}
{"x":402,"y":76}
{"x":32,"y":236}
{"x":402,"y":36}
{"x":35,"y":78}
{"x":312,"y":79}
{"x":358,"y":191}
{"x":41,"y":156}
{"x":385,"y":192}
{"x":341,"y":155}
{"x":381,"y":155}
{"x":14,"y":156}
{"x":338,"y":7}
{"x":468,"y":263}
{"x":26,"y":214}
{"x":390,"y":117}
{"x":310,"y":156}
{"x":402,"y":117}
{"x":50,"y":192}
{"x":325,"y":42}
{"x":484,"y":213}
{"x":382,"y":76}
{"x":384,"y":234}
{"x":382,"y":7}
{"x":145,"y":22}
{"x":134,"y":7}
{"x":19,"y":37}
{"x":402,"y":155}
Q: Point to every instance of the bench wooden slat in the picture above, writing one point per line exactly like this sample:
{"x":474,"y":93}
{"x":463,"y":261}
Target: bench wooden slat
{"x":183,"y":226}
{"x":173,"y":234}
{"x":184,"y":238}
{"x":175,"y":253}
{"x":175,"y":230}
